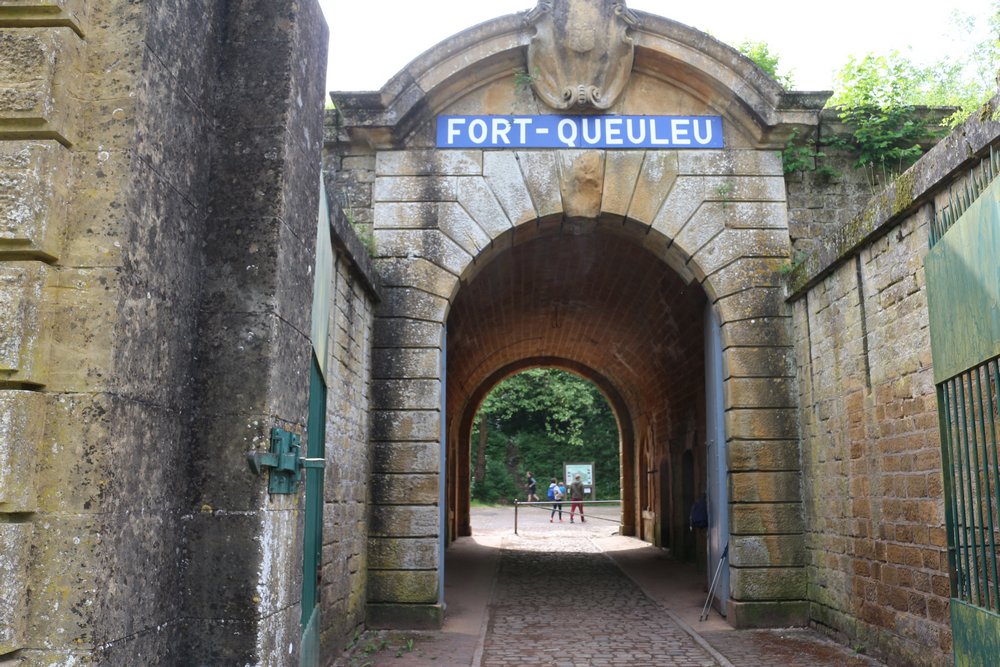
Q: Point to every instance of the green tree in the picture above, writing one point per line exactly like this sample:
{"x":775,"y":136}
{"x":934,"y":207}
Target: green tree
{"x":538,"y":419}
{"x":760,"y":53}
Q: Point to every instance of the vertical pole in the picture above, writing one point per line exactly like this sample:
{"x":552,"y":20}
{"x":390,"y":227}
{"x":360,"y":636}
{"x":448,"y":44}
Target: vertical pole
{"x":443,"y":468}
{"x":515,"y":515}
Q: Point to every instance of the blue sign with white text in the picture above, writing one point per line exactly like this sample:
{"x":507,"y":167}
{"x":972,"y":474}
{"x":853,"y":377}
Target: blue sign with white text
{"x":579,"y":132}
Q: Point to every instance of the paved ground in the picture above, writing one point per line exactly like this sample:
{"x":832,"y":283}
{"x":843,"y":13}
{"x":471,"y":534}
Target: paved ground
{"x":573,"y":594}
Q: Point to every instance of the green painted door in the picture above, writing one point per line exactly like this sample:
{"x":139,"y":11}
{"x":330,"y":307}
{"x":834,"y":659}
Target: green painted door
{"x":963,"y":296}
{"x":312,"y":548}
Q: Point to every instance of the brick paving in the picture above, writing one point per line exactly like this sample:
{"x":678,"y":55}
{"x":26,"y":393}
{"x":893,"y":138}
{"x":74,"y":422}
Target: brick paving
{"x":565,"y":604}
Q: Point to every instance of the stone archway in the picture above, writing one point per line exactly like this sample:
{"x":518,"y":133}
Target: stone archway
{"x":590,"y":298}
{"x":715,"y":221}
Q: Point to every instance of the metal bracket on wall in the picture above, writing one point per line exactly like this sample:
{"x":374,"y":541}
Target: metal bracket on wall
{"x":284,"y":461}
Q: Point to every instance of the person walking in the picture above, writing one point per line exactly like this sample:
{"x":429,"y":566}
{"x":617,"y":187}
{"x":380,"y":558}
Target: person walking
{"x":556,"y":495}
{"x":576,"y":498}
{"x":532,"y":488}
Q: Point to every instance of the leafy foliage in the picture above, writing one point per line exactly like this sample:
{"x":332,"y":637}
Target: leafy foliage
{"x":875,"y":97}
{"x":760,"y":53}
{"x":537,"y":420}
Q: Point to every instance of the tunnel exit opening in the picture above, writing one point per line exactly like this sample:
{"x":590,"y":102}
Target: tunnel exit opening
{"x":590,"y":299}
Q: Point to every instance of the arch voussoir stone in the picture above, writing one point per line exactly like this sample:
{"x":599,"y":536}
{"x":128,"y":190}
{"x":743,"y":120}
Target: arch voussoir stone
{"x":621,"y":172}
{"x":478,"y":200}
{"x":653,"y":183}
{"x":503,"y":175}
{"x":541,"y":176}
{"x":417,"y":272}
{"x":430,"y":244}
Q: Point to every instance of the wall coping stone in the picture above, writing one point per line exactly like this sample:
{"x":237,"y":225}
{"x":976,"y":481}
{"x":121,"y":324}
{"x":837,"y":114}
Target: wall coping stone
{"x":961,"y":150}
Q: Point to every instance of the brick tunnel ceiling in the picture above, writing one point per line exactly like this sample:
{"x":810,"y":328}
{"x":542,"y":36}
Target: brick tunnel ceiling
{"x":596,"y":298}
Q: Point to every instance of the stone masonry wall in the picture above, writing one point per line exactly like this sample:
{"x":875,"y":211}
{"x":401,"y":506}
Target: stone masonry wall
{"x":871,"y":463}
{"x":349,"y":458}
{"x":158,"y":202}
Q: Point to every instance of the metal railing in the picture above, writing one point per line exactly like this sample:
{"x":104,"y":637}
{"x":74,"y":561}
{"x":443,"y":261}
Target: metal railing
{"x":547,"y":505}
{"x":969,"y":420}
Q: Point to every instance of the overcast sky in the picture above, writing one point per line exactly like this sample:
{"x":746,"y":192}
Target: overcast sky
{"x":371,"y":40}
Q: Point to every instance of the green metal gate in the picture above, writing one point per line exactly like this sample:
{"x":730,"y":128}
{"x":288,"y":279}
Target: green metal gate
{"x":963,"y":294}
{"x":312,"y":548}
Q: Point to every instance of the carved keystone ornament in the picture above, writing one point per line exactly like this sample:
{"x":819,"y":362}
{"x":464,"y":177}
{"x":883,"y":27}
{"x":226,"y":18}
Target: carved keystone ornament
{"x":581,"y":54}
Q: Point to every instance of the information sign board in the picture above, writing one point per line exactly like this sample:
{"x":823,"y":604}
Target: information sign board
{"x":546,"y":131}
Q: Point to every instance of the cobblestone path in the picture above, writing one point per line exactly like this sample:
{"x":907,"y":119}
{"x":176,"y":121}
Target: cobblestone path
{"x":570,"y":608}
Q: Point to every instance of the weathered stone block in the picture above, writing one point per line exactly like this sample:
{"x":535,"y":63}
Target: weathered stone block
{"x":770,"y":331}
{"x":732,"y":244}
{"x":765,"y":487}
{"x":771,"y":455}
{"x":621,"y":171}
{"x":478,"y":199}
{"x":731,"y":162}
{"x":414,"y":188}
{"x":220,"y":537}
{"x":407,"y":394}
{"x":655,"y":181}
{"x":767,"y":551}
{"x":407,"y":586}
{"x":417,"y":272}
{"x":403,"y":554}
{"x":759,"y":393}
{"x":758,"y":362}
{"x":407,"y":425}
{"x":729,"y":189}
{"x":771,"y":583}
{"x":459,"y":226}
{"x":504,"y":177}
{"x":751,"y":303}
{"x":703,"y":226}
{"x":15,"y":546}
{"x":412,"y":489}
{"x":74,"y":463}
{"x":406,"y":215}
{"x":405,"y":616}
{"x":405,"y":521}
{"x":428,"y":163}
{"x":581,"y":182}
{"x":23,"y":332}
{"x":62,"y":607}
{"x":429,"y":244}
{"x":684,"y":199}
{"x":403,"y":457}
{"x":34,"y":177}
{"x":541,"y":176}
{"x":38,"y":68}
{"x":405,"y":332}
{"x":766,"y":518}
{"x":762,"y":423}
{"x":768,"y":614}
{"x":406,"y":363}
{"x":99,"y":209}
{"x":745,"y":273}
{"x":412,"y":303}
{"x":81,"y":306}
{"x":22,"y":423}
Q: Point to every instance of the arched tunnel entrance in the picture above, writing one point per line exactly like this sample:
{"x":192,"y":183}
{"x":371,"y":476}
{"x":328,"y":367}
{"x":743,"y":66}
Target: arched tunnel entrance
{"x":652,"y":269}
{"x":589,"y":298}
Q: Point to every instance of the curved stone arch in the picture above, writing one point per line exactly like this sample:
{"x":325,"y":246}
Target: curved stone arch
{"x":710,"y":70}
{"x":466,"y":413}
{"x":715,"y":217}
